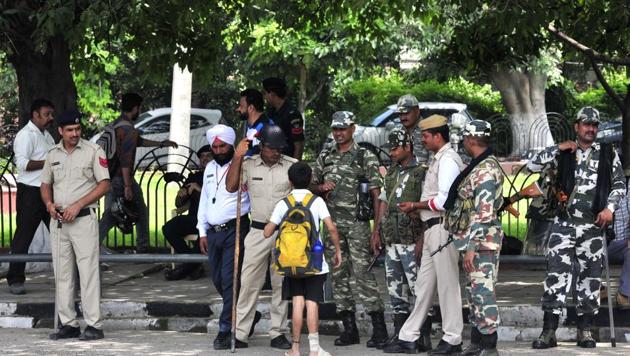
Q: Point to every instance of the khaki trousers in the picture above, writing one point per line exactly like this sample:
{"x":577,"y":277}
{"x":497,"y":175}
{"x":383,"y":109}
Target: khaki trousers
{"x":440,"y":273}
{"x":77,"y":243}
{"x":255,"y":262}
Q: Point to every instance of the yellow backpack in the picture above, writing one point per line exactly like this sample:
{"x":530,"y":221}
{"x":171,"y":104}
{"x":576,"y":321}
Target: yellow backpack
{"x":298,"y":252}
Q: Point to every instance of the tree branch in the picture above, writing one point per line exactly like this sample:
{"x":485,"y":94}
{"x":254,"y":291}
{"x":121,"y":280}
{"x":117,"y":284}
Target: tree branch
{"x":591,"y":53}
{"x":615,"y":97}
{"x":315,"y":94}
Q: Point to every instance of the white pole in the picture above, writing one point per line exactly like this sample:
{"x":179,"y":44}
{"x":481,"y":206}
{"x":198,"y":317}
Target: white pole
{"x":180,"y":117}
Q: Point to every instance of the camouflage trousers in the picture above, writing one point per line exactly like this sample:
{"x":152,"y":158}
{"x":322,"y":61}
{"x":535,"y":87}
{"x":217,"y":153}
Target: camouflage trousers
{"x":482,"y":300}
{"x":354,"y":239}
{"x":571,"y":243}
{"x":400,"y":275}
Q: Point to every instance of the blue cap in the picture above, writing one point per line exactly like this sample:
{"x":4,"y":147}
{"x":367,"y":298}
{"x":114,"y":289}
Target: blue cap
{"x":70,"y":117}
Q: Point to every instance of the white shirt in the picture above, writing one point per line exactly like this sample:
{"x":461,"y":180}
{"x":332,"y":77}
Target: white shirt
{"x":31,"y":144}
{"x":318,"y":210}
{"x":216,"y":205}
{"x":448,"y":171}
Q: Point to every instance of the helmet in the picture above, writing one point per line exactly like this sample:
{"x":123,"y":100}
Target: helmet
{"x":273,"y":137}
{"x":124,"y":214}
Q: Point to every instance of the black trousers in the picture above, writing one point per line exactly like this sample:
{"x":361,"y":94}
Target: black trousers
{"x":174,"y":232}
{"x":30,"y":212}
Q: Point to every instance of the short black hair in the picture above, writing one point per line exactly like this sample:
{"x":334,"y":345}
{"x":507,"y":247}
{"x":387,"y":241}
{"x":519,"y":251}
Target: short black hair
{"x":40,"y":103}
{"x":130,"y":101}
{"x":300,"y":175}
{"x":205,"y":148}
{"x":442,"y":130}
{"x":276,"y":85}
{"x":254,"y":97}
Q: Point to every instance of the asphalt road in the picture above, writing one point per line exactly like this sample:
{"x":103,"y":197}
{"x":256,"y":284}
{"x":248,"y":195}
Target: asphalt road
{"x":129,"y":342}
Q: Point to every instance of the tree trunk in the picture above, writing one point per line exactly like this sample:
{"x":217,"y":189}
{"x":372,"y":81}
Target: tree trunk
{"x":44,"y":75}
{"x":523,"y":95}
{"x":302,"y":100}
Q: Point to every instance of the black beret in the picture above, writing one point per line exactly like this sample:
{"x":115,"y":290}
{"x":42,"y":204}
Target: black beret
{"x":269,"y":84}
{"x":70,"y":117}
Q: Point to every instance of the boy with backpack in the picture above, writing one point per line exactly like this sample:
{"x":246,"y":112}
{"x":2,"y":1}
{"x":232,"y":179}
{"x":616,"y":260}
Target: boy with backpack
{"x":298,"y":254}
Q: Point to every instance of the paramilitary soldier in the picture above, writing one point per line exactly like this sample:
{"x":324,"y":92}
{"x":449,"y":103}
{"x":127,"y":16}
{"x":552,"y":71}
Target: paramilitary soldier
{"x":589,"y":186}
{"x":74,"y":178}
{"x":409,"y":112}
{"x":403,"y":183}
{"x":472,"y":217}
{"x":347,"y":176}
{"x":438,"y":272}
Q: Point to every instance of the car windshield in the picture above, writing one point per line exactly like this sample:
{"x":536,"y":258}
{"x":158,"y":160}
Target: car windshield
{"x":395,"y":117}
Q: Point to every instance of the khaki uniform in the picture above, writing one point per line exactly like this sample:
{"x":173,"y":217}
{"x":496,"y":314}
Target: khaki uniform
{"x":265,"y":186}
{"x":73,"y":175}
{"x":439,"y":272}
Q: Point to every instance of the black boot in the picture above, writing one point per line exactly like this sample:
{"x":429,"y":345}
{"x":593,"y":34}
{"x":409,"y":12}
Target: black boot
{"x":475,"y":343}
{"x":350,"y":334}
{"x":424,"y":341}
{"x":379,"y":330}
{"x":547,"y":338}
{"x":489,"y":345}
{"x":584,"y":337}
{"x":399,"y":321}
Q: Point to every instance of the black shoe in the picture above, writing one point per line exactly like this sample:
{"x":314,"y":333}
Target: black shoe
{"x":17,"y":288}
{"x":197,"y":273}
{"x":489,"y":345}
{"x":399,"y":321}
{"x":65,"y":332}
{"x":350,"y":334}
{"x":257,"y":317}
{"x":584,"y":337}
{"x":240,"y":344}
{"x":280,"y":342}
{"x":379,"y":330}
{"x":91,"y":333}
{"x":547,"y":338}
{"x":401,"y":347}
{"x":176,"y":274}
{"x":222,"y":341}
{"x":444,"y":348}
{"x":475,"y":344}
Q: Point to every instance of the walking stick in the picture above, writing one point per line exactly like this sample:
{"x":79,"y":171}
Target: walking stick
{"x":237,"y":247}
{"x":56,"y":268}
{"x":610,"y":307}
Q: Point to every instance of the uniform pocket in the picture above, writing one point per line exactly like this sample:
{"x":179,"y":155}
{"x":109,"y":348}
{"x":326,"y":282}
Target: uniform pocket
{"x":58,"y":172}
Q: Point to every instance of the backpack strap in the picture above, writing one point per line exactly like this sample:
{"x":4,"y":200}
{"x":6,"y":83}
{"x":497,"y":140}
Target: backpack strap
{"x":308,"y":200}
{"x":289,"y":201}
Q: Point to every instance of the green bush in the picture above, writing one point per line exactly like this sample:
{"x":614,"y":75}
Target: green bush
{"x":368,"y":97}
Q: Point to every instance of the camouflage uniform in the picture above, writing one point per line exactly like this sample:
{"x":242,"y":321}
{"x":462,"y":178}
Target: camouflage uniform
{"x":344,"y":168}
{"x":476,"y":227}
{"x":399,"y":231}
{"x":574,"y":236}
{"x":404,"y":105}
{"x":540,"y":219}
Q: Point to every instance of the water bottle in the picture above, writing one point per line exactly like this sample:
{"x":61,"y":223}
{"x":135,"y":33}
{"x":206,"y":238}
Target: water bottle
{"x":318,"y":255}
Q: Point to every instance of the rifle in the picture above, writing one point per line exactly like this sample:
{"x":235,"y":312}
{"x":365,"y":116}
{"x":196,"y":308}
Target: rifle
{"x":531,"y":191}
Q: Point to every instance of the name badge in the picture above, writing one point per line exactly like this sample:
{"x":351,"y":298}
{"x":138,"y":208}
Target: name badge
{"x":257,"y":178}
{"x":55,"y":163}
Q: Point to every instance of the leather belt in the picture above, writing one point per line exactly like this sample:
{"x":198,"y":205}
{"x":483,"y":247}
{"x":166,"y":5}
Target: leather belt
{"x":433,"y":221}
{"x":258,"y":225}
{"x":225,"y":226}
{"x":84,"y":212}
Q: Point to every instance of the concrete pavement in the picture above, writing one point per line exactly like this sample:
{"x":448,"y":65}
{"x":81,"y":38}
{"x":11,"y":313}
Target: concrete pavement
{"x":127,"y":342}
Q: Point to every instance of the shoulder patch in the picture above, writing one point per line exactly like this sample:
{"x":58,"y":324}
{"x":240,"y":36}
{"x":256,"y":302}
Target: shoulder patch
{"x":102,"y":161}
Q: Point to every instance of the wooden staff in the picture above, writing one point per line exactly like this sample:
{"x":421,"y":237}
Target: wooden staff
{"x":237,"y":253}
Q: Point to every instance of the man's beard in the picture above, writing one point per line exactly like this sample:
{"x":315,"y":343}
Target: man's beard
{"x":224,"y":158}
{"x":244,"y":116}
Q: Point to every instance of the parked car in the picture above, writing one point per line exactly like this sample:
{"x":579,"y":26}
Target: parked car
{"x":155,"y":125}
{"x":610,"y":131}
{"x":374,"y":136}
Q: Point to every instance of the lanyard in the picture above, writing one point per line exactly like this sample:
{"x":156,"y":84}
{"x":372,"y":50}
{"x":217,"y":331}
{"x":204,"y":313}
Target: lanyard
{"x":216,"y":174}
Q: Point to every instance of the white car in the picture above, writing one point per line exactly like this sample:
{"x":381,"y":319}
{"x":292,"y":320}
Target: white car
{"x":155,"y":125}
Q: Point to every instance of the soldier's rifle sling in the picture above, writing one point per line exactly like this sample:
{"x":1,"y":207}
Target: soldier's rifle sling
{"x":441,"y":247}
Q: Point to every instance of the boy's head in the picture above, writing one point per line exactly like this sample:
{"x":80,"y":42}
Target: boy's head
{"x":300,"y":175}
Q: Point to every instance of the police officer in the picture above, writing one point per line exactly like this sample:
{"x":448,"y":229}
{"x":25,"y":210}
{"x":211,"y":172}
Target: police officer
{"x":339,"y":172}
{"x":285,"y":115}
{"x":266,"y":177}
{"x":216,"y":222}
{"x":399,"y":231}
{"x":440,"y":272}
{"x":409,"y":111}
{"x":472,"y":204}
{"x":74,"y":178}
{"x":589,"y":186}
